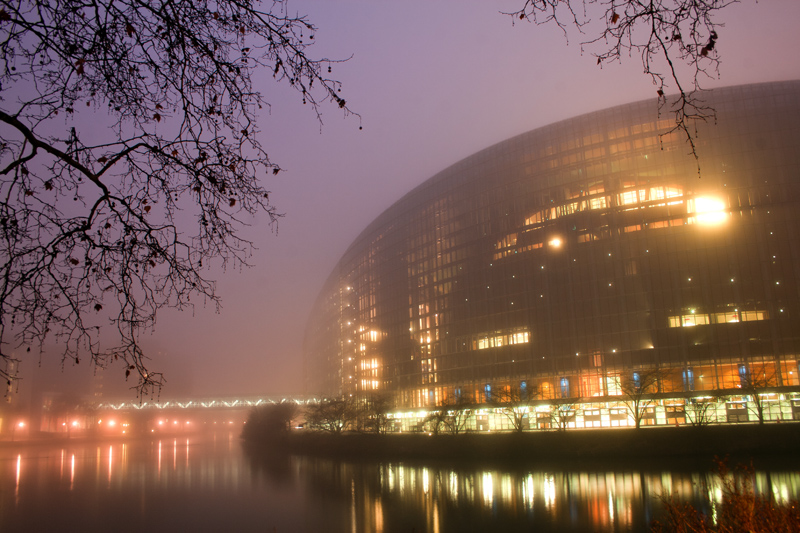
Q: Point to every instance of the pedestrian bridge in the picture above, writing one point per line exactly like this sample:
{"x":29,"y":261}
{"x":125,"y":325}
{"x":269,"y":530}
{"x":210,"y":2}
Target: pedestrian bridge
{"x":243,"y":402}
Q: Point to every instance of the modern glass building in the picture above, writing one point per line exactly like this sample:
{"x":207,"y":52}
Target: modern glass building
{"x":569,"y":259}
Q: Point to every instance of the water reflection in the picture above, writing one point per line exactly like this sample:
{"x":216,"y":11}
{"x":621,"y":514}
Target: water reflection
{"x":446,"y":499}
{"x":207,"y":483}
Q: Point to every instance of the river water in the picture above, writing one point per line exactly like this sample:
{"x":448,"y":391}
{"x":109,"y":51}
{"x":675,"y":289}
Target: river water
{"x":209,"y":483}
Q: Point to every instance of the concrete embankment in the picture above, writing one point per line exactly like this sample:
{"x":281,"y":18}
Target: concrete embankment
{"x":741,"y":441}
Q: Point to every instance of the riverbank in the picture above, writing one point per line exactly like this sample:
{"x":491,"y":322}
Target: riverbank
{"x":589,"y":445}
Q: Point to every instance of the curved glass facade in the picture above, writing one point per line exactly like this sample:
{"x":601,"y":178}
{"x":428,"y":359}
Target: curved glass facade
{"x":573,"y":256}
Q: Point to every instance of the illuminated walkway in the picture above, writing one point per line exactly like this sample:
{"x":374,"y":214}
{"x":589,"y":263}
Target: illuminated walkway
{"x":244,"y":402}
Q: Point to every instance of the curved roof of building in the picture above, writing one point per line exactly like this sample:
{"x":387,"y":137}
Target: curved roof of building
{"x":498,"y":157}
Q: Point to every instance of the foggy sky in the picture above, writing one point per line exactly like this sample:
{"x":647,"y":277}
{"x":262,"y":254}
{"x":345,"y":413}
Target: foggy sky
{"x":433,"y":82}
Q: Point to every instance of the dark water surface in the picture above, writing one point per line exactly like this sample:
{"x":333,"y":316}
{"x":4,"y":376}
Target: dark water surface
{"x":209,"y":483}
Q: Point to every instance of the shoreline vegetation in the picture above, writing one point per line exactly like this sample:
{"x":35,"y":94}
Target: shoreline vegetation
{"x":743,"y":442}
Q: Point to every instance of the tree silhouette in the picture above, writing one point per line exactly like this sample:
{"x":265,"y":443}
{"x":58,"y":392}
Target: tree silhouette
{"x":755,"y":383}
{"x":563,"y":413}
{"x":637,"y":389}
{"x":270,"y":422}
{"x":129,"y":160}
{"x":675,"y":39}
{"x":452,"y":415}
{"x":373,"y":412}
{"x":332,"y":415}
{"x":701,"y":411}
{"x":514,"y":402}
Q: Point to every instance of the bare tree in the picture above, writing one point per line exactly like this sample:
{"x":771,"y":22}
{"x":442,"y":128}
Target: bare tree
{"x":562,"y":413}
{"x":637,"y":389}
{"x":754,"y":383}
{"x":452,"y":415}
{"x":332,"y":415}
{"x":701,"y":411}
{"x":374,"y":411}
{"x":436,"y":420}
{"x":676,"y":41}
{"x":514,"y":402}
{"x":459,"y":412}
{"x":129,"y":160}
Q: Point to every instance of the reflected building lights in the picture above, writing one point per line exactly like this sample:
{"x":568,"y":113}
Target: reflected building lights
{"x":374,"y":496}
{"x":506,"y":489}
{"x":487,"y":489}
{"x":378,"y":514}
{"x":596,"y":501}
{"x":453,"y":481}
{"x":528,"y":493}
{"x":549,"y":491}
{"x":353,"y":515}
{"x":18,"y":473}
{"x":611,"y":501}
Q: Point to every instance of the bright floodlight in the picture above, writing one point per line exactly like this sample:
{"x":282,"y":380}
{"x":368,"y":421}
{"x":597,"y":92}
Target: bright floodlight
{"x":708,"y":210}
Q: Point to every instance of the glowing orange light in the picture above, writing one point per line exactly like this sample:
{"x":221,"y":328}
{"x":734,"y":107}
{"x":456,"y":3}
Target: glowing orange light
{"x":709,"y":211}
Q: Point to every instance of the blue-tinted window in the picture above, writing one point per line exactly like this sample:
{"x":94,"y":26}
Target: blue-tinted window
{"x":565,"y":387}
{"x":688,"y":379}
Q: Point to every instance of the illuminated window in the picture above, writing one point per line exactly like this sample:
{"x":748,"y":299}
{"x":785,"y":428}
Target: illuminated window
{"x":728,"y":317}
{"x":629,"y":197}
{"x":508,"y":240}
{"x":498,"y":339}
{"x":536,"y":218}
{"x":753,"y":315}
{"x":613,"y":386}
{"x":597,"y":203}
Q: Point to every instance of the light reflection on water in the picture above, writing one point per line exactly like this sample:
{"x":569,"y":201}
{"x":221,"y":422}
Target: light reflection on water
{"x":444,"y":499}
{"x":207,"y":483}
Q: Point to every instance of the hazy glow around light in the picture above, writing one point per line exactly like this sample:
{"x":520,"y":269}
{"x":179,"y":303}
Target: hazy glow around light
{"x":708,"y":210}
{"x":555,"y":242}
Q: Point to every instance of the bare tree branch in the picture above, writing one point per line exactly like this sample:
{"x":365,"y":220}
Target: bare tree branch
{"x":676,"y":41}
{"x":130,"y":160}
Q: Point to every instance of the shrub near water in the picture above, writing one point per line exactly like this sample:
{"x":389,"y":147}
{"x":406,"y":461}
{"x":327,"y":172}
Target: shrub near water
{"x":741,"y":509}
{"x":267,"y":423}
